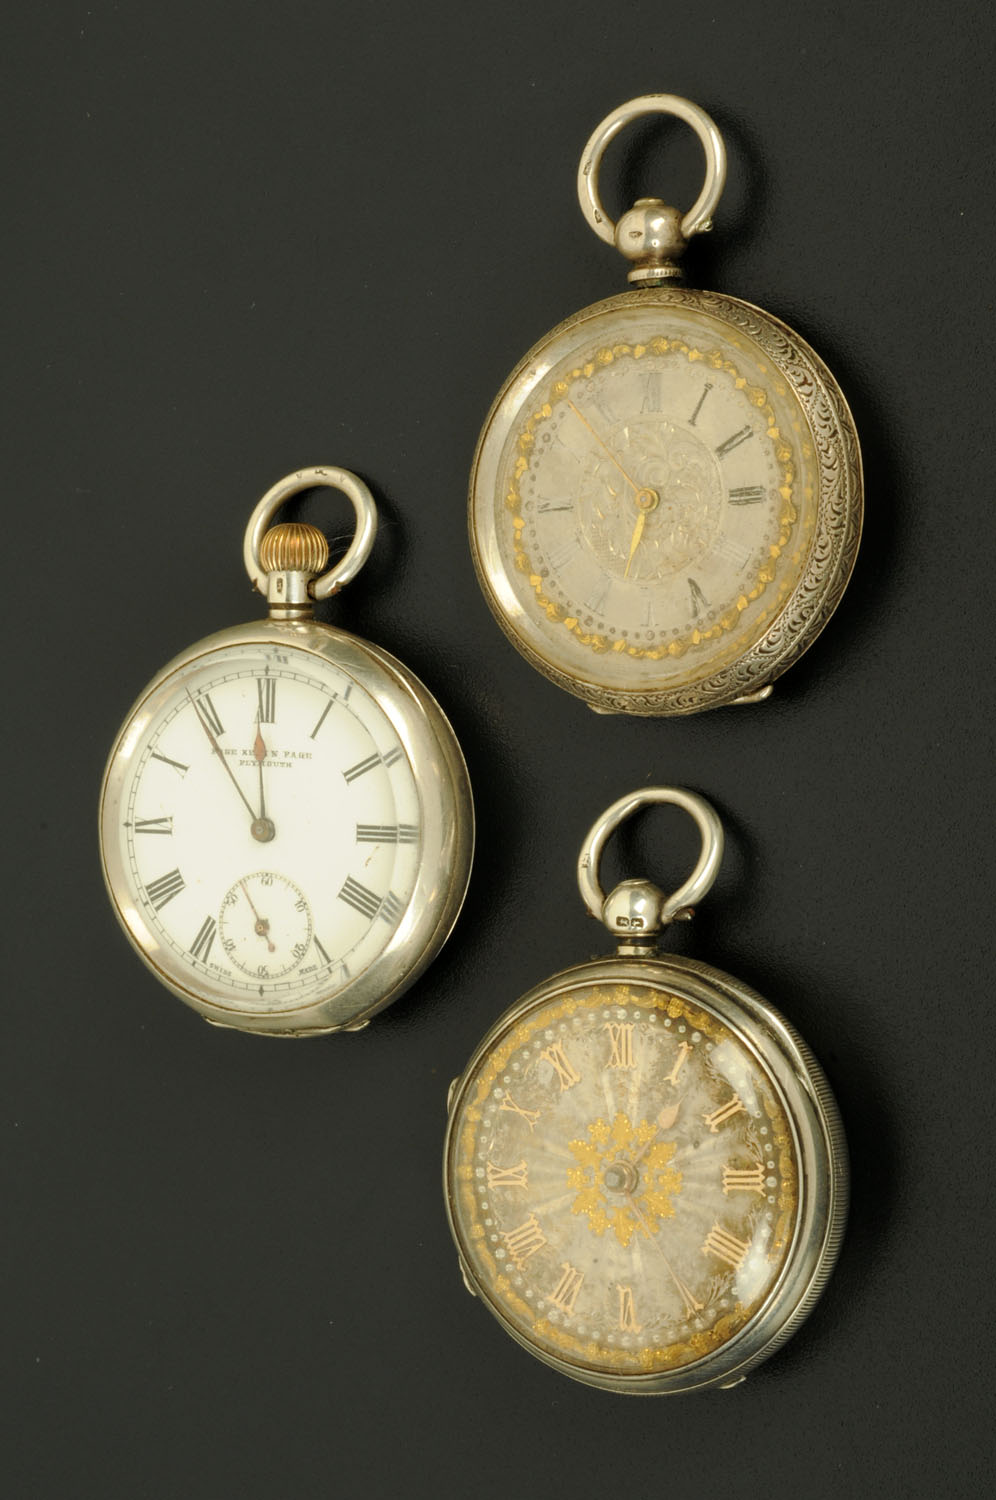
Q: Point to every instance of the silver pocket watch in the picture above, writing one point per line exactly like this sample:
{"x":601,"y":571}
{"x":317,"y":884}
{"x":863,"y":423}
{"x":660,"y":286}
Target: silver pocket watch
{"x":666,"y":497}
{"x":286,"y":823}
{"x":645,"y":1170}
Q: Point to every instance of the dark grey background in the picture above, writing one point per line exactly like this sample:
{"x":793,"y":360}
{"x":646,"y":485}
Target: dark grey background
{"x":242,"y":238}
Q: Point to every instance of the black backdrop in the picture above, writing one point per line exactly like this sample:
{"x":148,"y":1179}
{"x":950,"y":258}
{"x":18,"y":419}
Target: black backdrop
{"x":242,"y":238}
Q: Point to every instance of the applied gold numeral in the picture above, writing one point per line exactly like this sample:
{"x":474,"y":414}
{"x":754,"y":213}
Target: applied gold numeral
{"x":523,"y":1242}
{"x":724,"y":1113}
{"x":683,"y":1051}
{"x":565,"y":1293}
{"x":627,"y":1311}
{"x":726,"y":1246}
{"x":529,"y":1115}
{"x":557,"y":1058}
{"x":507,"y":1176}
{"x":621,"y":1042}
{"x":743,"y":1179}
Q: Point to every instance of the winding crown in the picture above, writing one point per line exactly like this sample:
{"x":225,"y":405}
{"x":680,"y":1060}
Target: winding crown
{"x":294,"y":547}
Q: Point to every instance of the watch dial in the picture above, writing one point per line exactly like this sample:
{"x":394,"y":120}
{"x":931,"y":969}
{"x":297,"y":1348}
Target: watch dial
{"x":269,"y":828}
{"x":623,"y":1179}
{"x":654,"y":498}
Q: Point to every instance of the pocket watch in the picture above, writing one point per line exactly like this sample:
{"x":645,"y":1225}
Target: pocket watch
{"x":286,"y":824}
{"x":645,"y":1171}
{"x":666,"y":497}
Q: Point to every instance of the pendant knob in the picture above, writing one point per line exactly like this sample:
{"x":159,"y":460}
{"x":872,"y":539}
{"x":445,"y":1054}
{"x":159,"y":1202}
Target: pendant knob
{"x":293,"y":547}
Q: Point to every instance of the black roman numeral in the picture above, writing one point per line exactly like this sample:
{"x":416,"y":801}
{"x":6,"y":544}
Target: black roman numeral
{"x":749,"y":495}
{"x":176,"y":764}
{"x":723,"y":449}
{"x":154,"y":825}
{"x":201,"y":946}
{"x":267,"y":699}
{"x":386,"y":833}
{"x":391,"y":908}
{"x":210,"y":713}
{"x":363,"y":766}
{"x":359,"y":898}
{"x":165,"y":888}
{"x":699,"y":600}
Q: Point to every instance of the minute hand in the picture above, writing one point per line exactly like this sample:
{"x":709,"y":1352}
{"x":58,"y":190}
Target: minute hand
{"x":599,"y":439}
{"x":220,"y":754}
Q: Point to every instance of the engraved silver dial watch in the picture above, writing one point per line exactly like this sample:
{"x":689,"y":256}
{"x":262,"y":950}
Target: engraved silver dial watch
{"x":645,"y":1171}
{"x":286,"y":824}
{"x":666,"y":497}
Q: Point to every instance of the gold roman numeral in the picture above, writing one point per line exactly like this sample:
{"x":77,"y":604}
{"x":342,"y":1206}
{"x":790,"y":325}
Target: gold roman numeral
{"x":557,"y":1059}
{"x":726,"y":1246}
{"x":523,"y":1242}
{"x":743,"y":1179}
{"x":565,"y":1293}
{"x":683,"y":1052}
{"x":621,"y":1042}
{"x":529,"y":1115}
{"x":723,"y":1113}
{"x":507,"y":1176}
{"x":627,"y":1311}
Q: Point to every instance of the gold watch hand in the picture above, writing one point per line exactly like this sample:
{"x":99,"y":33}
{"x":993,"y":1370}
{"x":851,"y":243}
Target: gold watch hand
{"x":665,"y":1119}
{"x":259,"y":752}
{"x":641,"y":521}
{"x":604,"y":444}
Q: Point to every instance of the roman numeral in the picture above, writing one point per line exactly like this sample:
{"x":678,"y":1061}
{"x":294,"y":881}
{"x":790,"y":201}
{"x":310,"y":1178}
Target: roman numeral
{"x":165,"y":888}
{"x":363,"y":766}
{"x":621,"y":1043}
{"x":683,"y":1051}
{"x":386,"y":833}
{"x":565,"y":1293}
{"x":723,"y":1113}
{"x":209,"y":713}
{"x":359,"y":898}
{"x":201,"y":946}
{"x":557,"y":1058}
{"x":524,"y":1241}
{"x":507,"y":1176}
{"x":627,"y":1311}
{"x":651,"y":392}
{"x":596,"y":598}
{"x":699,"y":600}
{"x":321,"y":718}
{"x":734,"y":552}
{"x":559,"y":557}
{"x":267,"y":687}
{"x":176,"y":764}
{"x":726,"y":1246}
{"x":743,"y":1179}
{"x":546,"y":506}
{"x":154,"y":825}
{"x":391,"y":908}
{"x":750,"y":494}
{"x":529,"y":1115}
{"x":722,"y":449}
{"x":695,"y":414}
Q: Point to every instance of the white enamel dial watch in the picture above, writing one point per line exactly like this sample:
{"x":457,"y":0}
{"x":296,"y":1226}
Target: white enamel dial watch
{"x":645,"y":1171}
{"x":666,"y":497}
{"x":286,"y":824}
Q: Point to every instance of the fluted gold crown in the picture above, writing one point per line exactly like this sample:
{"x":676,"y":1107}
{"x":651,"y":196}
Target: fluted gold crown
{"x":293,"y":547}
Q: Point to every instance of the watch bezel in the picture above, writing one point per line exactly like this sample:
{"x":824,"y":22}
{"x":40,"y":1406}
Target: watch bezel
{"x":832,"y":551}
{"x":447,"y":822}
{"x":820,"y":1149}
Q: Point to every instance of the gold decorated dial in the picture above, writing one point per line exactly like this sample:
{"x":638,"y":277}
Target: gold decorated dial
{"x":623,"y":1179}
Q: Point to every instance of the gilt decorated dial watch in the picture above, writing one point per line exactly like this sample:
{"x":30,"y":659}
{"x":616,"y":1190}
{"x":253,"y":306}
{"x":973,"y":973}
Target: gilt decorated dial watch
{"x":645,"y":1171}
{"x":286,"y":825}
{"x":666,"y":497}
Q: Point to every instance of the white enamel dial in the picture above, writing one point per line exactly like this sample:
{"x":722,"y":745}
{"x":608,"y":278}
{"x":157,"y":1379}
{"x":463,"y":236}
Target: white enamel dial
{"x":269,"y":827}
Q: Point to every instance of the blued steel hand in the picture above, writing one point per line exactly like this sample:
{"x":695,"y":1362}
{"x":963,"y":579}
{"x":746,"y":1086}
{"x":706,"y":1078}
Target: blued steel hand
{"x":220,"y":753}
{"x":262,"y":927}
